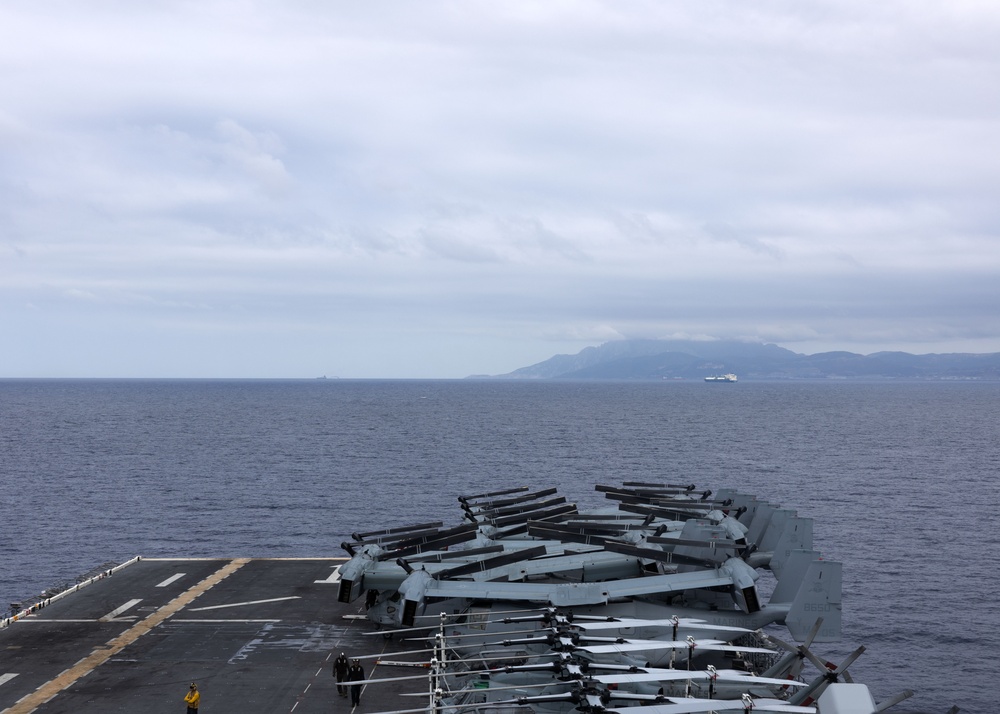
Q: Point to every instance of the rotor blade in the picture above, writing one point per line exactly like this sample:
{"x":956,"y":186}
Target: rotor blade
{"x":400,"y":529}
{"x":537,"y":530}
{"x":665,"y":509}
{"x":495,"y":513}
{"x":519,"y":489}
{"x":681,"y":623}
{"x":393,"y":654}
{"x":436,"y":544}
{"x":539,"y":685}
{"x":828,"y":669}
{"x":393,"y":631}
{"x":799,"y":651}
{"x":544,"y":640}
{"x":727,"y":676}
{"x":431,"y":537}
{"x":520,"y":656}
{"x":650,"y":675}
{"x":659,"y":497}
{"x":459,"y":615}
{"x":522,"y":518}
{"x":807,"y":642}
{"x":591,"y":518}
{"x":893,"y":701}
{"x":658,"y":555}
{"x":714,"y":544}
{"x":697,"y":706}
{"x":454,"y":616}
{"x":561,"y":697}
{"x":635,"y":487}
{"x":468,"y":635}
{"x":828,"y":674}
{"x":605,"y":527}
{"x":601,"y":530}
{"x":650,"y":645}
{"x":479,"y":566}
{"x":643,"y":484}
{"x":545,"y":615}
{"x":388,"y":541}
{"x":505,"y":502}
{"x":452,"y":554}
{"x":383,"y":680}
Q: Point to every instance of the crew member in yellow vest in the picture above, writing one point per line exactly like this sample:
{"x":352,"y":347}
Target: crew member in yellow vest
{"x":193,"y":698}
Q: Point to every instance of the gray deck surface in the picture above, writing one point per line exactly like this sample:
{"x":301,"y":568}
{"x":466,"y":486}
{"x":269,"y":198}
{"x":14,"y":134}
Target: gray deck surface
{"x":258,"y":636}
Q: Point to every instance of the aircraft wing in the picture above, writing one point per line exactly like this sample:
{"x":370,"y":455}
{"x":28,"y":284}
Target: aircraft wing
{"x":571,"y":594}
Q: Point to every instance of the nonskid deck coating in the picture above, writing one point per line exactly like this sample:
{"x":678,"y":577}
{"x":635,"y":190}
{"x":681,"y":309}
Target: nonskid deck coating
{"x":258,"y":636}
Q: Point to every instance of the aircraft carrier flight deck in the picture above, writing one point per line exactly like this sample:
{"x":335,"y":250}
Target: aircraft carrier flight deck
{"x":258,"y":636}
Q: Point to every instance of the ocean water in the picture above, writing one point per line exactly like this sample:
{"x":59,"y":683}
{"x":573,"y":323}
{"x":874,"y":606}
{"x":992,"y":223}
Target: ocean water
{"x":900,"y":478}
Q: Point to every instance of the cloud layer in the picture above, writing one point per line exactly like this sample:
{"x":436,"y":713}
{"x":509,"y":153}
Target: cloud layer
{"x":236,"y":188}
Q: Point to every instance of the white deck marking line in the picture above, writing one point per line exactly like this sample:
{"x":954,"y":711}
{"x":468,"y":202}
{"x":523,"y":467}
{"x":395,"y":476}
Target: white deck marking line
{"x":241,"y":604}
{"x":4,"y":678}
{"x":333,"y":579}
{"x":171,"y":579}
{"x":119,"y":610}
{"x":319,"y":672}
{"x":99,"y":656}
{"x":206,"y":620}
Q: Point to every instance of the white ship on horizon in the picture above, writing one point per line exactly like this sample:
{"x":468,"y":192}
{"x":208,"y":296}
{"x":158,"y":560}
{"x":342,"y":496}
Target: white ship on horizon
{"x":729,"y":377}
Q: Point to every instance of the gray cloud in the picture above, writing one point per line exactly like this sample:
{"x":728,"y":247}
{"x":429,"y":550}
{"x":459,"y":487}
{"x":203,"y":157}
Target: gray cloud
{"x":259,"y":190}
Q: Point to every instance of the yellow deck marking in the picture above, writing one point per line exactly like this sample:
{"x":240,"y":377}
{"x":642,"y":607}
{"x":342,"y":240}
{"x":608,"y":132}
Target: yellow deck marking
{"x":103,"y":653}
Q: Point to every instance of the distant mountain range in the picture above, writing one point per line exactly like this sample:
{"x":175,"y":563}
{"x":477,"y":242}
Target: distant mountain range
{"x":683,"y":359}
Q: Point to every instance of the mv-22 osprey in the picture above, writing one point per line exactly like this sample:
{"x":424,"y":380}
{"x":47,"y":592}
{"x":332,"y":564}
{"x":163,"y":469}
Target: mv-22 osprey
{"x":660,"y":553}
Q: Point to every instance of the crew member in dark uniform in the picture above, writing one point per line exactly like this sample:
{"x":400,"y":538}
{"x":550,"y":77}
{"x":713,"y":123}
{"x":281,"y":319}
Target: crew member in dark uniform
{"x":355,"y":674}
{"x":340,"y":667}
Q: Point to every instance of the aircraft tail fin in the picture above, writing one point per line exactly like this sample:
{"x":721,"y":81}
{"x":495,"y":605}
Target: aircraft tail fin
{"x":759,"y":514}
{"x":775,"y":528}
{"x":797,"y":535}
{"x":818,"y":595}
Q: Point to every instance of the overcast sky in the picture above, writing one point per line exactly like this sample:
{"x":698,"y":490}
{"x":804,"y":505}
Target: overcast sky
{"x":437,"y":189}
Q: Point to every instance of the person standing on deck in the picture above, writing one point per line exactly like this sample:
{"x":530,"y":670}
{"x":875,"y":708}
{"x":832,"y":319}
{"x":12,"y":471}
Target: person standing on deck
{"x":340,"y":667}
{"x":193,"y":699}
{"x":355,"y":674}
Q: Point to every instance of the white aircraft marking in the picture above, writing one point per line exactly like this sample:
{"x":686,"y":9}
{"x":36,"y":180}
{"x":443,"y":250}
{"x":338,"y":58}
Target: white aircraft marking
{"x":4,"y":678}
{"x":239,"y":604}
{"x":169,"y":580}
{"x":118,"y":611}
{"x":333,"y":579}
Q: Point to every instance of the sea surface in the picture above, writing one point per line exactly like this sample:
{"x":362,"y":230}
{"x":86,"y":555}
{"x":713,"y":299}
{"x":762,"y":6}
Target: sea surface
{"x":900,"y":478}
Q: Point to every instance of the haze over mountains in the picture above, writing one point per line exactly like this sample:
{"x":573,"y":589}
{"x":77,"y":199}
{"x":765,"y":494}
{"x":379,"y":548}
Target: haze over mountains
{"x":690,"y":359}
